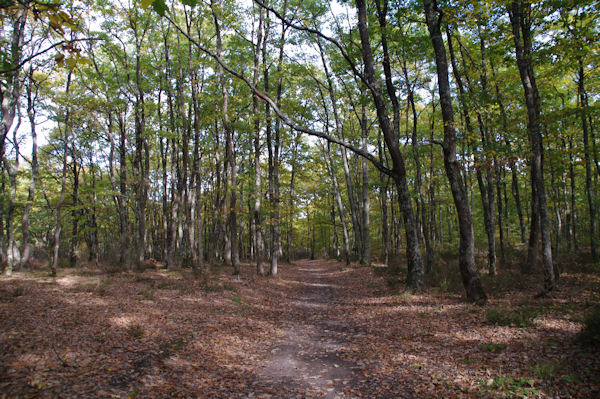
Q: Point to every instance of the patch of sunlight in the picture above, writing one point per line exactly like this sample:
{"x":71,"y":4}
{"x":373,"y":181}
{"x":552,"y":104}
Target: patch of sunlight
{"x":563,"y":325}
{"x":122,"y":321}
{"x":28,"y":360}
{"x":71,"y":281}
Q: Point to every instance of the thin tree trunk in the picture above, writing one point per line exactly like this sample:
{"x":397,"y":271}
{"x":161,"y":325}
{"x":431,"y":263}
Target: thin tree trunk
{"x":12,"y":169}
{"x":122,"y":196}
{"x":275,"y":186}
{"x":258,"y":239}
{"x":588,"y":171}
{"x":31,"y":113}
{"x":573,"y":214}
{"x":75,"y":213}
{"x":339,"y":205}
{"x":365,"y":258}
{"x":63,"y":183}
{"x":511,"y":161}
{"x":291,"y":199}
{"x":418,"y":177}
{"x":198,"y":252}
{"x":500,"y":224}
{"x":229,"y":151}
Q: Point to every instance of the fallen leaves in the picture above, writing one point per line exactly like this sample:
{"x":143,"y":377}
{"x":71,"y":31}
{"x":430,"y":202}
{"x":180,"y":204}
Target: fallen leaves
{"x":317,"y":330}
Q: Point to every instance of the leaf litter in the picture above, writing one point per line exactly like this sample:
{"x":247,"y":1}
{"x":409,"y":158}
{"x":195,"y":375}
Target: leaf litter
{"x":318,"y":330}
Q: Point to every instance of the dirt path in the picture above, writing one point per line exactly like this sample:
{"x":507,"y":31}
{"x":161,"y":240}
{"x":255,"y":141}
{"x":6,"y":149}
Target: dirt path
{"x":309,"y":357}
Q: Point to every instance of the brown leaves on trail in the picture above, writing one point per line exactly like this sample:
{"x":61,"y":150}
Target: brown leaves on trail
{"x":317,"y":330}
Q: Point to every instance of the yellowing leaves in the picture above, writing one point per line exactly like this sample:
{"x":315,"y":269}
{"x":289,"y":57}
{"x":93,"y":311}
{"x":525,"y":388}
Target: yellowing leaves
{"x":146,"y":3}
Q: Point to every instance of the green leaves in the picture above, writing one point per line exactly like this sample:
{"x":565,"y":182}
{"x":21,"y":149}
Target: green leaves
{"x":190,"y":3}
{"x":146,"y":3}
{"x":158,"y":5}
{"x":161,"y":7}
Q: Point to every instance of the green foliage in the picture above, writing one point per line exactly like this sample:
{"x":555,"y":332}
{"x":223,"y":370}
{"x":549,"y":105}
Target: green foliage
{"x":591,"y":327}
{"x":135,"y":331}
{"x":546,"y":370}
{"x":512,"y":387}
{"x":17,"y":291}
{"x":147,"y":294}
{"x":237,"y":299}
{"x":492,"y":348}
{"x":521,"y":317}
{"x":160,"y":7}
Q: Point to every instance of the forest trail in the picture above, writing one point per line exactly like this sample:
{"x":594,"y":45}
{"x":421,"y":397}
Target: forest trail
{"x":309,"y":356}
{"x":319,"y":329}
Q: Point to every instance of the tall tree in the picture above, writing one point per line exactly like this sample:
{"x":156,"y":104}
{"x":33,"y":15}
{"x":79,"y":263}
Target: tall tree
{"x":520,"y":17}
{"x":466,"y":251}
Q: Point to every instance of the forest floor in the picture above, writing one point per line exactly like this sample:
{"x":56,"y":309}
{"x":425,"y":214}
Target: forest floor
{"x":318,"y":329}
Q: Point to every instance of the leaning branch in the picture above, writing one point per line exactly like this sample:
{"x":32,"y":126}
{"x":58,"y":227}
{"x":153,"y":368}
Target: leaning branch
{"x":275,"y":108}
{"x":31,"y":57}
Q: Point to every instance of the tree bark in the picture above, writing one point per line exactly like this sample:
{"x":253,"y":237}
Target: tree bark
{"x":10,"y":92}
{"x":229,"y":153}
{"x":365,"y":258}
{"x":75,"y":213}
{"x":339,"y":205}
{"x":258,"y":239}
{"x":522,"y":38}
{"x":415,"y":280}
{"x":583,"y":105}
{"x":452,"y":166}
{"x":65,"y":133}
{"x":511,"y":161}
{"x":32,"y":93}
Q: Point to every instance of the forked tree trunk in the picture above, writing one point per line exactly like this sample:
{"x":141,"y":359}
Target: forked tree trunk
{"x":466,"y":250}
{"x":523,"y":44}
{"x":415,"y":280}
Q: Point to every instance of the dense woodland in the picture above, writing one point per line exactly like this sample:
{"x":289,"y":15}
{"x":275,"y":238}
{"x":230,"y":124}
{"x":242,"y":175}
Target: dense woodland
{"x":194,"y":134}
{"x":299,"y":199}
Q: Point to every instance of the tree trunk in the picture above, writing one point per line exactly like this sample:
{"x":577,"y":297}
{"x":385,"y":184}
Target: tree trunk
{"x":122,"y":196}
{"x":63,"y":183}
{"x":588,"y":171}
{"x":274,"y":175}
{"x":10,"y":92}
{"x":365,"y":258}
{"x":415,"y":280}
{"x":522,"y":38}
{"x":258,"y":238}
{"x":511,"y":161}
{"x":32,"y":92}
{"x":468,"y":269}
{"x":229,"y":153}
{"x":75,"y":213}
{"x":573,"y":214}
{"x":339,"y":205}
